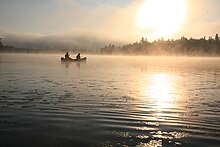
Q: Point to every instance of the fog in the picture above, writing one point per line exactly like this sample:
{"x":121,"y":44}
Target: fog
{"x":70,"y":41}
{"x":86,"y":25}
{"x":66,"y":24}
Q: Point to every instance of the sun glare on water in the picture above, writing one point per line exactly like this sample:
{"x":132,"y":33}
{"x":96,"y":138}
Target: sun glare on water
{"x":161,"y":17}
{"x":160,"y":88}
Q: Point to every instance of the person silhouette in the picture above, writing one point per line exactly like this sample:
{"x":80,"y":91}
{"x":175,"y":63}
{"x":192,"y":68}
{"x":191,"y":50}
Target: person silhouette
{"x":78,"y":56}
{"x":67,"y":55}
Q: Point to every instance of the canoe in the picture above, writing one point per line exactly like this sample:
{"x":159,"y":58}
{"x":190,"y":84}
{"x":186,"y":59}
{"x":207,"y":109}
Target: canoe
{"x":72,"y":60}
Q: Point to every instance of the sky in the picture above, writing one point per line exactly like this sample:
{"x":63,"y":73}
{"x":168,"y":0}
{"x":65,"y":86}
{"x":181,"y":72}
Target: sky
{"x":92,"y":24}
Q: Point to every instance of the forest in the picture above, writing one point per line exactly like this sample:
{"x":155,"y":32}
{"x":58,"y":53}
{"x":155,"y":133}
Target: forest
{"x":171,"y":47}
{"x":179,"y":47}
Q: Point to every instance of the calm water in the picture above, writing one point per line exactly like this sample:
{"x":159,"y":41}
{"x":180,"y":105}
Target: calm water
{"x":109,"y":101}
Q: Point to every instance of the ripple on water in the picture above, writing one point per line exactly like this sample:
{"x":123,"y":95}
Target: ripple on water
{"x":72,"y":106}
{"x":151,"y":143}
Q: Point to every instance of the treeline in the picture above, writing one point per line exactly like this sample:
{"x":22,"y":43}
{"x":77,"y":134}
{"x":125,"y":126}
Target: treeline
{"x":170,"y":47}
{"x":182,"y":46}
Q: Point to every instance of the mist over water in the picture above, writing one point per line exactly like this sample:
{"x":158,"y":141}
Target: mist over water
{"x":109,"y":100}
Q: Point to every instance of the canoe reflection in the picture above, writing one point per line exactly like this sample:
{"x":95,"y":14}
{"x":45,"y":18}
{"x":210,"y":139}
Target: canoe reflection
{"x":67,"y":64}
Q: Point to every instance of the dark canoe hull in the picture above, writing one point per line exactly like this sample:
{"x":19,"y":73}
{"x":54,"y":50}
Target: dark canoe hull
{"x":73,"y":60}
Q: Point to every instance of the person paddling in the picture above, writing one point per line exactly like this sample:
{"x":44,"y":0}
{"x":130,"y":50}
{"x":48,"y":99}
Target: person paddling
{"x":78,"y":56}
{"x":67,"y":55}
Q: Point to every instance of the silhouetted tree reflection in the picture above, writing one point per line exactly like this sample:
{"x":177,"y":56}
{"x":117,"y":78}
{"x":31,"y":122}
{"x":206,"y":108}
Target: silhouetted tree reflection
{"x":182,"y":46}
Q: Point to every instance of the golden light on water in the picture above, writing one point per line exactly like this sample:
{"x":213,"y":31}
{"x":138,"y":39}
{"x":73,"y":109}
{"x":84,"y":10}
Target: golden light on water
{"x":160,"y":89}
{"x":162,"y":17}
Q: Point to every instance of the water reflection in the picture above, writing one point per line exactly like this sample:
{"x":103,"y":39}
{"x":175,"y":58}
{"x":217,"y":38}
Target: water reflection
{"x":161,"y":90}
{"x":158,"y":91}
{"x":161,"y":87}
{"x":158,"y":87}
{"x":67,"y":64}
{"x":114,"y":104}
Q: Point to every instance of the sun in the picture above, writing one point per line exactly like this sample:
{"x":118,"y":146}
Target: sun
{"x":161,"y":17}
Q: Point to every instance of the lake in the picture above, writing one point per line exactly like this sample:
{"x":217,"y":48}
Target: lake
{"x":106,"y":101}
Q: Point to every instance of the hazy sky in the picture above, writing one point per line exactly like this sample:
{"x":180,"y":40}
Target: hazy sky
{"x":99,"y":22}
